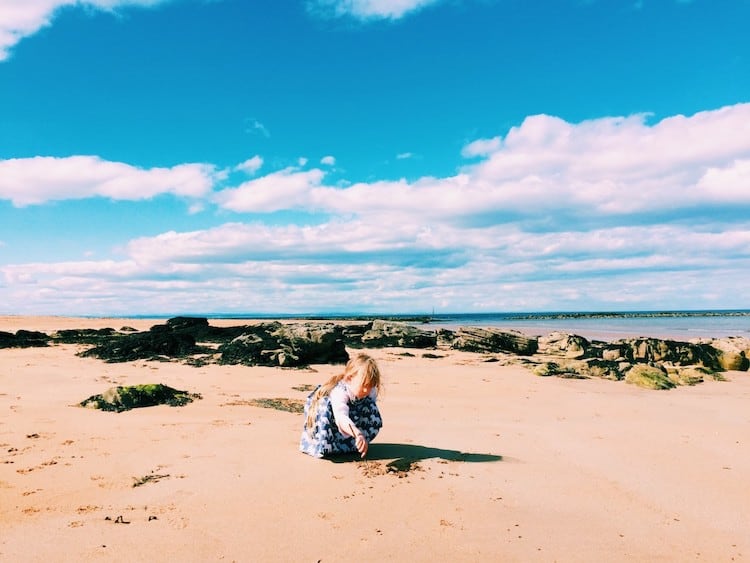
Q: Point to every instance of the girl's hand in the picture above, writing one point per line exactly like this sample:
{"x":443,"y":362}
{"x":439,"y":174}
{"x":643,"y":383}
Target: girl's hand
{"x":361,"y":443}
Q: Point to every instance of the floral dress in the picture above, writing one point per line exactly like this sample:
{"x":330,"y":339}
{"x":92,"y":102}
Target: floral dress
{"x":325,"y":438}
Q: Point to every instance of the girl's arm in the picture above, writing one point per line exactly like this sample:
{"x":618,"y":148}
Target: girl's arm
{"x":340,"y":406}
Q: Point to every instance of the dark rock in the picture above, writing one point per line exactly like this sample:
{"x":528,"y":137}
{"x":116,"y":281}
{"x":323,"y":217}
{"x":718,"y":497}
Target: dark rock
{"x":286,"y":345}
{"x":24,"y":339}
{"x":118,"y":399}
{"x":200,"y":330}
{"x":490,"y":340}
{"x":82,"y":336}
{"x":385,"y":334}
{"x":159,"y":341}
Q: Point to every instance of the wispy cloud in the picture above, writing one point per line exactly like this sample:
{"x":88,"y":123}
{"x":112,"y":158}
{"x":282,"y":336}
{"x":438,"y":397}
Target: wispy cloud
{"x":22,"y":18}
{"x":367,"y":9}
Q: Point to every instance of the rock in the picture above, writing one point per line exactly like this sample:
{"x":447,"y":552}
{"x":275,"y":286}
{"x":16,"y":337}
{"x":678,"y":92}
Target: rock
{"x":383,"y":334}
{"x":23,"y":339}
{"x":649,"y":350}
{"x":160,"y":340}
{"x":491,"y":340}
{"x":685,"y":375}
{"x":648,"y":377}
{"x":561,"y":344}
{"x":286,"y":345}
{"x":82,"y":336}
{"x":118,"y":399}
{"x":732,"y":352}
{"x":546,"y":369}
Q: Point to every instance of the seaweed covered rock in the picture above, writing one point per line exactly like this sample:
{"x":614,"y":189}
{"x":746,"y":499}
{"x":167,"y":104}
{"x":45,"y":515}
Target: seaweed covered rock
{"x":23,"y":339}
{"x":82,"y":335}
{"x":649,"y":377}
{"x":383,"y":334}
{"x":159,"y":341}
{"x":118,"y":399}
{"x":286,"y":345}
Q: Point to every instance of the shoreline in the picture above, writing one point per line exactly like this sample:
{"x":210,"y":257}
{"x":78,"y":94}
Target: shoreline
{"x":591,"y":328}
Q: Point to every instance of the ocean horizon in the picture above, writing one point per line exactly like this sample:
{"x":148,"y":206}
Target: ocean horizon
{"x":593,"y":325}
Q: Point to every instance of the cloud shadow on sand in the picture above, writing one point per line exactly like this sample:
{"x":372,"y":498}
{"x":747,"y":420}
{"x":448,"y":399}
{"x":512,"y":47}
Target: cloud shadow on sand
{"x":404,"y":454}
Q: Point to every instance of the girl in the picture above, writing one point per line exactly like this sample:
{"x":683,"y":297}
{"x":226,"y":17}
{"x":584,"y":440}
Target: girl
{"x":341,"y":415}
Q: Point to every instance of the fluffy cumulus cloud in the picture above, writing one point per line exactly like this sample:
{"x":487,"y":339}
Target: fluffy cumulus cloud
{"x":28,"y":181}
{"x":546,"y":168}
{"x":608,"y":213}
{"x":21,"y":18}
{"x":368,"y":9}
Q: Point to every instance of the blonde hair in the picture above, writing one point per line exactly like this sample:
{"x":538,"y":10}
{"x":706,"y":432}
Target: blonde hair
{"x":359,"y":363}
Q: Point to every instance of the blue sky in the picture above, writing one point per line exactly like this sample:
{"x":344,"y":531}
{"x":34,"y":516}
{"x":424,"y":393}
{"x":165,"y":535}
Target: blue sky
{"x":373,"y":156}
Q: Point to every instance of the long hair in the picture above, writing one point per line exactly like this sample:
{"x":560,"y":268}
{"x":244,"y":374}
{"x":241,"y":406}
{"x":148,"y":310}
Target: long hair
{"x":359,"y":363}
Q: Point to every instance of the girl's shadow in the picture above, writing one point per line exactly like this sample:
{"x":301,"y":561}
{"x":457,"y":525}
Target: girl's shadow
{"x":403,"y":454}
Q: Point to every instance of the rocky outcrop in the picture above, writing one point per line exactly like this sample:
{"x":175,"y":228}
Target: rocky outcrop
{"x":490,"y":340}
{"x":649,"y":362}
{"x":290,"y":345}
{"x":383,"y":334}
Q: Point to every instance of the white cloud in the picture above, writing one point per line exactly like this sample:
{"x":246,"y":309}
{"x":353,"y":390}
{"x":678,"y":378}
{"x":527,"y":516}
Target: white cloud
{"x":328,"y":161}
{"x":368,"y":9}
{"x":250,"y":166}
{"x":608,"y":213}
{"x":404,"y":156}
{"x":28,"y":181}
{"x":286,"y":189}
{"x":603,"y":167}
{"x":22,"y":18}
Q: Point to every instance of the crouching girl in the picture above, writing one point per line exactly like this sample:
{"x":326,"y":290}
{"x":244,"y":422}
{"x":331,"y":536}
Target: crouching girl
{"x":342,"y":416}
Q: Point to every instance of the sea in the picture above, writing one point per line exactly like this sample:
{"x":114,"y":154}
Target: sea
{"x":607,"y":326}
{"x":673,"y":325}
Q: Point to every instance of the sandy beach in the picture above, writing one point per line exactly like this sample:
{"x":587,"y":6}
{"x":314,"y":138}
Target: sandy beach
{"x":487,"y":463}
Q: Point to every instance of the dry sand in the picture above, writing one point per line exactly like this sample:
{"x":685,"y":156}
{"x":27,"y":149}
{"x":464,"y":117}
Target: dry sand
{"x":500,"y":465}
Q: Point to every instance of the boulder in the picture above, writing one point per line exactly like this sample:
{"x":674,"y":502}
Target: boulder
{"x":492,"y":340}
{"x":562,"y":344}
{"x":383,"y":334}
{"x":732,"y":352}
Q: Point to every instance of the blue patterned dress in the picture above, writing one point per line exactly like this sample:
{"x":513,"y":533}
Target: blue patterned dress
{"x":325,"y":438}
